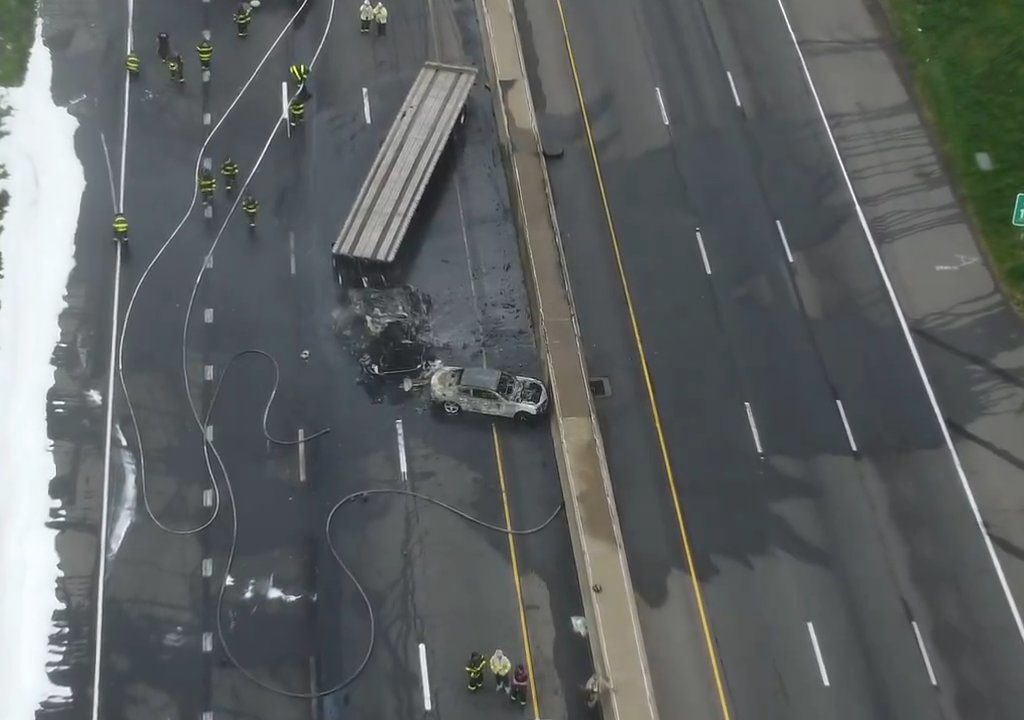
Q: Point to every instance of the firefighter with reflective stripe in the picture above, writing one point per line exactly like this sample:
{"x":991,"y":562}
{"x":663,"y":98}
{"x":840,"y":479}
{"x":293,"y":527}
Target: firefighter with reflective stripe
{"x":229,"y":170}
{"x":163,"y":47}
{"x":133,"y":64}
{"x":475,"y":670}
{"x":380,"y":14}
{"x":205,"y":50}
{"x":366,"y":15}
{"x":207,"y":184}
{"x":296,"y":111}
{"x":299,"y":73}
{"x":519,"y":682}
{"x":120,"y":227}
{"x":176,"y":67}
{"x":251,"y":206}
{"x":243,"y":16}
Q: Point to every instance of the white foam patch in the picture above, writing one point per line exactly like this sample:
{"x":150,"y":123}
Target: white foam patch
{"x":45,"y":185}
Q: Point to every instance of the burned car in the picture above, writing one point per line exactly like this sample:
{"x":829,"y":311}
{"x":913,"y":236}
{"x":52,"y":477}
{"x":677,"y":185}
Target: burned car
{"x":488,"y":391}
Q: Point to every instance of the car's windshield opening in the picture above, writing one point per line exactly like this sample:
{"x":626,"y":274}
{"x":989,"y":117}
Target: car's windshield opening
{"x":505,"y":384}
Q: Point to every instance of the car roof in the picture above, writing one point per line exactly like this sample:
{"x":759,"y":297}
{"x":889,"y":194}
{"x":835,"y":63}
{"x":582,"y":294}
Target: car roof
{"x":486,"y":378}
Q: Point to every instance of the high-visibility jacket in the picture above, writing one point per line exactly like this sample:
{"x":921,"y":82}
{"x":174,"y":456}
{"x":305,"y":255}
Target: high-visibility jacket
{"x":366,"y":12}
{"x":298,"y":110}
{"x":380,"y":13}
{"x":205,"y":50}
{"x":207,"y":184}
{"x":229,"y":169}
{"x":243,"y":17}
{"x":173,"y":65}
{"x":300,"y":73}
{"x":120,"y":225}
{"x":477,"y":670}
{"x":502,"y":666}
{"x":250,"y":206}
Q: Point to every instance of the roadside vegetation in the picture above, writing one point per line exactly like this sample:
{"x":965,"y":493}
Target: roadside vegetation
{"x":17,"y":23}
{"x":969,"y":67}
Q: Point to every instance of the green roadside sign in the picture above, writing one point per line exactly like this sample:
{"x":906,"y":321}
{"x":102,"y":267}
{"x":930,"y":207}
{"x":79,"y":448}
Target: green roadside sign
{"x":1018,"y":211}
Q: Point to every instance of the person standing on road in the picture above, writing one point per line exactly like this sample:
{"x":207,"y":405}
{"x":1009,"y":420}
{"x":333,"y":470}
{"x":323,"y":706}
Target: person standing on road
{"x":380,"y":14}
{"x":365,"y":16}
{"x":243,"y":16}
{"x":133,"y":64}
{"x":205,"y":50}
{"x":475,"y":670}
{"x":163,"y":47}
{"x":207,"y":184}
{"x":520,"y":679}
{"x":120,"y":227}
{"x":229,"y":171}
{"x":250,"y":206}
{"x":176,"y":67}
{"x":501,"y":666}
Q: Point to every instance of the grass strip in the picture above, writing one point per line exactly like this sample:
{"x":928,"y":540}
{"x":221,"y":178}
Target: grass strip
{"x":969,"y":67}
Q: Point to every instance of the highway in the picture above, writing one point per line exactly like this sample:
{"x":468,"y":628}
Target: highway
{"x":761,"y":380}
{"x":438,"y":586}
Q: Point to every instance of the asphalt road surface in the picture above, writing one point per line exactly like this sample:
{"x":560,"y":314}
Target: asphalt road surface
{"x":842,"y":570}
{"x":438,"y":586}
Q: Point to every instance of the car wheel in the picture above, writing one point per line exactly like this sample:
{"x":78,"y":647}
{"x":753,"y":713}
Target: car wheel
{"x":523,"y":417}
{"x":451,"y":408}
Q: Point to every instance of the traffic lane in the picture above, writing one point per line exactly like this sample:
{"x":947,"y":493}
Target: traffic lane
{"x":680,"y":666}
{"x":895,"y":415}
{"x":634,"y":174}
{"x":550,"y":583}
{"x":841,"y":350}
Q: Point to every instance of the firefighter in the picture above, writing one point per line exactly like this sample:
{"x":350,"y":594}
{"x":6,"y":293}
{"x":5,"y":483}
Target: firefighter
{"x":207,"y":184}
{"x":120,"y":228}
{"x":205,"y":50}
{"x":519,"y":682}
{"x":501,"y":666}
{"x":243,"y":16}
{"x":229,"y":170}
{"x":251,"y":206}
{"x":177,"y":68}
{"x":380,"y":14}
{"x":475,"y":670}
{"x":163,"y":47}
{"x":133,"y":64}
{"x":297,"y":111}
{"x":365,"y":16}
{"x":299,"y":73}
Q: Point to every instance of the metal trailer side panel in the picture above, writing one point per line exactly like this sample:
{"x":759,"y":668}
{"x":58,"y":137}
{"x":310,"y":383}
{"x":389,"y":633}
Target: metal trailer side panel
{"x":386,"y":202}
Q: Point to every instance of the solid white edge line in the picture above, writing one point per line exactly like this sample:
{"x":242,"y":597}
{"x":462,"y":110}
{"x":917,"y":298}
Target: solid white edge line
{"x":846,"y":425}
{"x":402,"y":464}
{"x":753,"y":428}
{"x":108,"y":434}
{"x":426,"y":677}
{"x":284,"y":108}
{"x":924,"y":654}
{"x":302,"y":455}
{"x":817,"y":654}
{"x":732,"y":84}
{"x":366,"y":105}
{"x":785,"y":242}
{"x":1007,"y":592}
{"x":703,"y":253}
{"x":661,"y":106}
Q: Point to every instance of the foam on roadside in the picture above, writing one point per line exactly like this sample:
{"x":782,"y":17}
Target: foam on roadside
{"x":45,"y":184}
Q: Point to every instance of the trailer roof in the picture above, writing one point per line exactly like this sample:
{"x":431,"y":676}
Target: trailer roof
{"x":377,"y":223}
